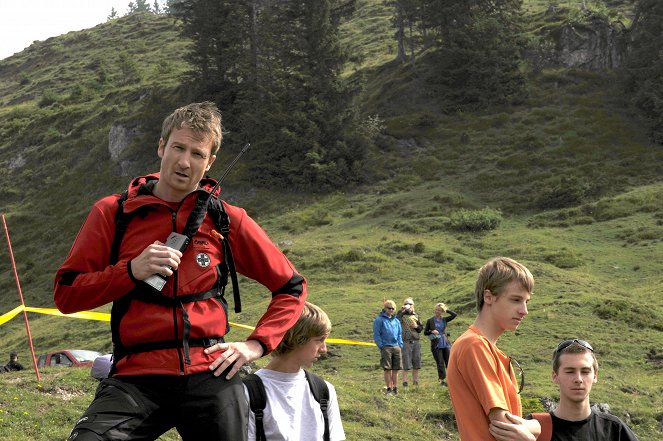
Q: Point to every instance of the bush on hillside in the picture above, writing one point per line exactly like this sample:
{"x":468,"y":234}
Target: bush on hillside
{"x":560,"y":193}
{"x":631,"y":313}
{"x":475,"y":220}
{"x":563,"y":258}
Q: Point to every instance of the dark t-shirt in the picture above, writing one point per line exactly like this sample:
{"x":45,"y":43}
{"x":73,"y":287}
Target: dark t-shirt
{"x":14,"y":366}
{"x":599,"y":426}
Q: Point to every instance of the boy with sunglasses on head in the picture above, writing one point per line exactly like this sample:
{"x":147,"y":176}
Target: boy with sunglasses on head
{"x":482,"y":381}
{"x":575,"y":370}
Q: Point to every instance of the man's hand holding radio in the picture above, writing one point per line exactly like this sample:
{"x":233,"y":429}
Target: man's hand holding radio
{"x":157,"y":258}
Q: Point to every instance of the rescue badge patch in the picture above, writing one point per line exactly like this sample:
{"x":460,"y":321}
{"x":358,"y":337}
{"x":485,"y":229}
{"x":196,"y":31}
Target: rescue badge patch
{"x":203,"y":260}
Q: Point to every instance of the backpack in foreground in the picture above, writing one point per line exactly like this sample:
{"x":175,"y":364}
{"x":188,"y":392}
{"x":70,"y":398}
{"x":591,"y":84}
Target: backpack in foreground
{"x":258,"y":400}
{"x":545,"y":420}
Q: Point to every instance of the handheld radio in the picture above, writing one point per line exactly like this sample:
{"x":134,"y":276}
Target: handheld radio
{"x":179,"y":241}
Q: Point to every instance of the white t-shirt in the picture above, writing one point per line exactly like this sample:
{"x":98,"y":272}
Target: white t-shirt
{"x":292,"y":414}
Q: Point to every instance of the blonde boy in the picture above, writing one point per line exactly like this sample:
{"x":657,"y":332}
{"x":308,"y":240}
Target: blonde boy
{"x":292,"y":412}
{"x":482,"y":381}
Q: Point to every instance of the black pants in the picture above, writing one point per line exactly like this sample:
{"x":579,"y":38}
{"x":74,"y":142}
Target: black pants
{"x":441,"y":357}
{"x":199,"y":406}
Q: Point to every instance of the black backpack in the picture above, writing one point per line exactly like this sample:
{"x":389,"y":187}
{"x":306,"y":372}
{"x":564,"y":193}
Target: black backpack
{"x":226,"y":268}
{"x":258,"y":400}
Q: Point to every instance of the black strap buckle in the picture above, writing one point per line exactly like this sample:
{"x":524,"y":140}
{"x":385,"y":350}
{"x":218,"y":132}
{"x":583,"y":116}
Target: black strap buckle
{"x":207,"y":342}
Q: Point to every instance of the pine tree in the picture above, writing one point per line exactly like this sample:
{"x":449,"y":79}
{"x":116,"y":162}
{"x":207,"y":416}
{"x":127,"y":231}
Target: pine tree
{"x":274,"y":68}
{"x":643,"y":68}
{"x":138,"y":6}
{"x":472,"y":45}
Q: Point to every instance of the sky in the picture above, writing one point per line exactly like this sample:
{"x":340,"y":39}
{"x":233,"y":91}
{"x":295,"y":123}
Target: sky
{"x":24,"y":21}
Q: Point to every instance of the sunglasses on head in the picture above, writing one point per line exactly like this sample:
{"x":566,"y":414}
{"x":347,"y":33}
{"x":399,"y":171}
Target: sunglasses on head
{"x":519,"y":373}
{"x":566,"y":343}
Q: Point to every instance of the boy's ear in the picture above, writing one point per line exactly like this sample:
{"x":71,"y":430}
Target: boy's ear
{"x":488,"y":297}
{"x":554,"y":377}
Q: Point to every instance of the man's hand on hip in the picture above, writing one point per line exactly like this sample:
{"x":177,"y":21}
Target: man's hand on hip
{"x":238,"y":353}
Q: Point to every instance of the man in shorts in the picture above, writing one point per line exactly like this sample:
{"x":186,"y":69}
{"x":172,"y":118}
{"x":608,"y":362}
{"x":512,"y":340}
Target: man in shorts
{"x":388,"y":336}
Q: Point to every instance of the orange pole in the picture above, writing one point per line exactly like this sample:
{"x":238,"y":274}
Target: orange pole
{"x":20,"y":293}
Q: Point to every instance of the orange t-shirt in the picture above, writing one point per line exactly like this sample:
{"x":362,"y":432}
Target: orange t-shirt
{"x":480,"y":378}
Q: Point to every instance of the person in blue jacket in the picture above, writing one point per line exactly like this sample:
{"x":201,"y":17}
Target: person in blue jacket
{"x":440,"y":346}
{"x":388,"y":336}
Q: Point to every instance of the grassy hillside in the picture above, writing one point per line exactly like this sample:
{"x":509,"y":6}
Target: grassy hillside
{"x":569,"y":175}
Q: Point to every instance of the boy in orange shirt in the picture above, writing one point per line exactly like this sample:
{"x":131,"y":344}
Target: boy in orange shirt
{"x":481,"y":378}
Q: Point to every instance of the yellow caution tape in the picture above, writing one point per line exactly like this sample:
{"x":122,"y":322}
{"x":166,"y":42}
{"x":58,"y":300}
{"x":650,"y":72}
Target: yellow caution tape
{"x":4,"y":318}
{"x":343,"y":341}
{"x":105,"y":317}
{"x":87,"y":315}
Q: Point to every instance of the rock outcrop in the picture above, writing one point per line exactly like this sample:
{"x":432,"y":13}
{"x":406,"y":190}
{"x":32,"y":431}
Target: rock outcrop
{"x":594,"y":44}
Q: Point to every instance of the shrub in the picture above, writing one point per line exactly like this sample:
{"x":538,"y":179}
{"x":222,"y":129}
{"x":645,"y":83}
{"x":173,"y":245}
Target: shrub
{"x":563,"y":258}
{"x":47,"y":99}
{"x":627,"y":312}
{"x":561,"y":193}
{"x":475,"y":220}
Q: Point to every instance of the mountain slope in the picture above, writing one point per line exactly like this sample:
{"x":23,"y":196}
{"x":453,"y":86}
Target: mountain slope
{"x":577,"y":185}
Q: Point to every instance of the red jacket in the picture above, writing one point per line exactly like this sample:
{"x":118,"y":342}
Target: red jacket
{"x":86,"y":280}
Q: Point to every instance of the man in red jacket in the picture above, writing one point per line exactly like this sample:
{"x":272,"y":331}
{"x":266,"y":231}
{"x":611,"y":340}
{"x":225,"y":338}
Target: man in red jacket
{"x":172,"y":367}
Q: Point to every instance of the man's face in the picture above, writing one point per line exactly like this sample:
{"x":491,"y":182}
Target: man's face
{"x":309,"y":353}
{"x":509,"y":308}
{"x":575,"y":376}
{"x":184,"y":161}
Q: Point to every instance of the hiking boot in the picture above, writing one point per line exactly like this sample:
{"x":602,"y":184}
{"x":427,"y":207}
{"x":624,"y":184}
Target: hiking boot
{"x":395,"y":390}
{"x":388,"y":391}
{"x":415,"y":383}
{"x":405,"y":384}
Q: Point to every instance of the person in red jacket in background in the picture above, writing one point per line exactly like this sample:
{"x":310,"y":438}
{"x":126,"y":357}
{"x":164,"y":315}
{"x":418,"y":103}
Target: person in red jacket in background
{"x":172,"y":367}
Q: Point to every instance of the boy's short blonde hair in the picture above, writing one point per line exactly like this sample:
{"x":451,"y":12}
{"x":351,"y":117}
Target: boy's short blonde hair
{"x":499,"y":272}
{"x":313,"y":322}
{"x":204,"y":119}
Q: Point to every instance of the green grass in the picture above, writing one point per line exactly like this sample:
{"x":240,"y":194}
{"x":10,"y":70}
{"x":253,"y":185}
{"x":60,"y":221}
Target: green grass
{"x":608,"y":295}
{"x":568,"y":173}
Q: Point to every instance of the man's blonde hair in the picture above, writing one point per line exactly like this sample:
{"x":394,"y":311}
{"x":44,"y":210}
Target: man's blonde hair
{"x":313,"y":322}
{"x":204,"y":119}
{"x":499,"y":272}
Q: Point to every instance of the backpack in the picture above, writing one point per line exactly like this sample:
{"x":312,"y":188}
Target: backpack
{"x":214,"y":207}
{"x":545,"y":420}
{"x":258,"y":400}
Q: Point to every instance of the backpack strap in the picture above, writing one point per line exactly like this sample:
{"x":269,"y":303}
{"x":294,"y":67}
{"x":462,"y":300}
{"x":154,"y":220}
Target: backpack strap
{"x":222,"y":222}
{"x":121,"y":305}
{"x":320,"y":392}
{"x":257,"y":402}
{"x":545,"y":420}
